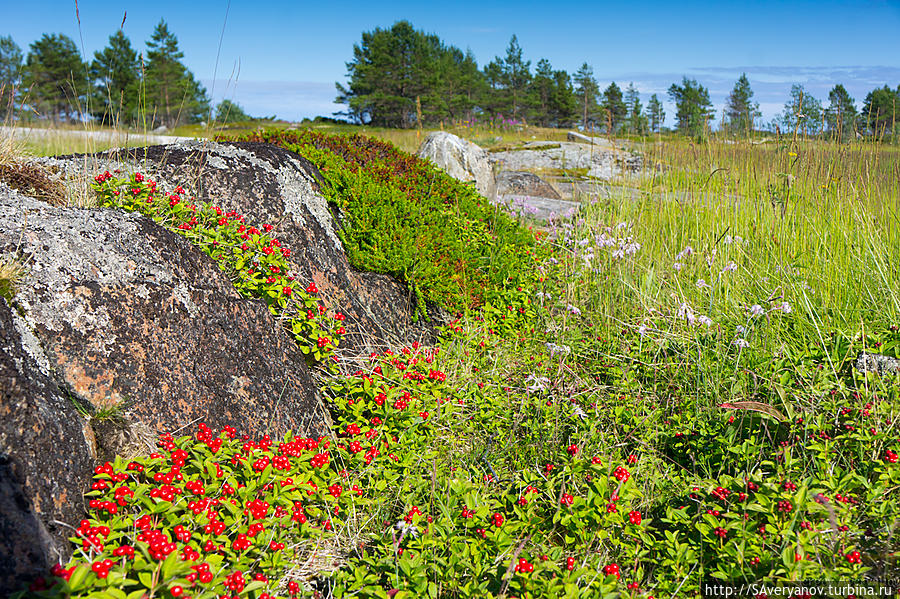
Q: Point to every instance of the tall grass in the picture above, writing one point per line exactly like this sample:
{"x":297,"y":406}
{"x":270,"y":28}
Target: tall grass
{"x":742,"y":234}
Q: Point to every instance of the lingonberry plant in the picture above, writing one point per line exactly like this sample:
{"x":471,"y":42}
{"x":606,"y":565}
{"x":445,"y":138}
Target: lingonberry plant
{"x":209,"y":515}
{"x":570,"y":438}
{"x":404,"y":488}
{"x":257,"y":261}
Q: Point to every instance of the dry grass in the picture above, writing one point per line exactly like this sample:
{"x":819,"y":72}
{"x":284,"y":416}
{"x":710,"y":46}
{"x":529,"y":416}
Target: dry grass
{"x":12,"y":270}
{"x":34,"y":180}
{"x":20,"y":171}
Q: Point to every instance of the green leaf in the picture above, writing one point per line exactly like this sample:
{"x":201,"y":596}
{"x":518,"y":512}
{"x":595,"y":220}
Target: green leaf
{"x":146,"y":579}
{"x":78,"y":577}
{"x":169,"y":565}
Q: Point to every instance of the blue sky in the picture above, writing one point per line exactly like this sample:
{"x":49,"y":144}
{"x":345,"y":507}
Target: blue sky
{"x":283,"y":57}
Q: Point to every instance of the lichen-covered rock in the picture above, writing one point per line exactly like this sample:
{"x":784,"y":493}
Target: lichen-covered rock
{"x":45,"y":458}
{"x":523,"y":183}
{"x":142,"y":326}
{"x":268,"y":184}
{"x":537,"y":208}
{"x":461,"y":159}
{"x":877,"y":363}
{"x":598,"y":162}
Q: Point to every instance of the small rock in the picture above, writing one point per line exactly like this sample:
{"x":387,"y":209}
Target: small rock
{"x":538,"y":208}
{"x":877,"y":363}
{"x":524,"y":183}
{"x":586,"y":139}
{"x":461,"y":159}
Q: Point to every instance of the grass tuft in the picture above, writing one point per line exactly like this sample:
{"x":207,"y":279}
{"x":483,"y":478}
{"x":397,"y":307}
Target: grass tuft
{"x":33,"y":180}
{"x":12,"y":270}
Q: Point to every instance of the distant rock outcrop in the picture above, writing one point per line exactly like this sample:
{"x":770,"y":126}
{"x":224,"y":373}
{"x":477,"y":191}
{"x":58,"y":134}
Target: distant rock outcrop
{"x":587,"y":139}
{"x":600,"y":162}
{"x":461,"y":159}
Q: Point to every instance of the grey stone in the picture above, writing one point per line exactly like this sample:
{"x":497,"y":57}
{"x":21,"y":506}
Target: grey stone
{"x":877,"y":363}
{"x":461,"y":159}
{"x":524,"y":183}
{"x":586,"y":139}
{"x":538,"y":208}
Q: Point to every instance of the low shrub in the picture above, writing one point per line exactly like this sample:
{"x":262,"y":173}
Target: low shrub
{"x":404,"y":217}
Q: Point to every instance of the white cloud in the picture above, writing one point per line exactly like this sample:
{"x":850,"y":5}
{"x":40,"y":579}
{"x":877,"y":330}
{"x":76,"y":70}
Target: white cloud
{"x":771,"y":85}
{"x":289,"y":100}
{"x":295,"y":100}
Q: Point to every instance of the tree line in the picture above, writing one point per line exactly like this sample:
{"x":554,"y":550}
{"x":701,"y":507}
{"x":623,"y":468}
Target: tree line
{"x":400,"y":77}
{"x":119,"y":86}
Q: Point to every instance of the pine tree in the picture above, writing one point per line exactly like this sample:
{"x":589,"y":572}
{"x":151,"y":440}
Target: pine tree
{"x":656,"y":113}
{"x":231,"y":112}
{"x":740,"y":109}
{"x":802,"y":112}
{"x":10,"y":75}
{"x":841,"y":114}
{"x":586,"y":93}
{"x":635,"y":120}
{"x":563,"y":103}
{"x":55,"y":77}
{"x":114,"y":73}
{"x":693,"y":106}
{"x":470,"y":88}
{"x":173,"y":95}
{"x":390,"y":69}
{"x":517,"y":75}
{"x":542,"y":87}
{"x":493,"y":100}
{"x":613,"y":107}
{"x":454,"y":86}
{"x":881,"y":110}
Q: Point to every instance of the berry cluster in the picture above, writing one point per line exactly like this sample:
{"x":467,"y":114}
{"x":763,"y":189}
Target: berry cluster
{"x":259,"y":261}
